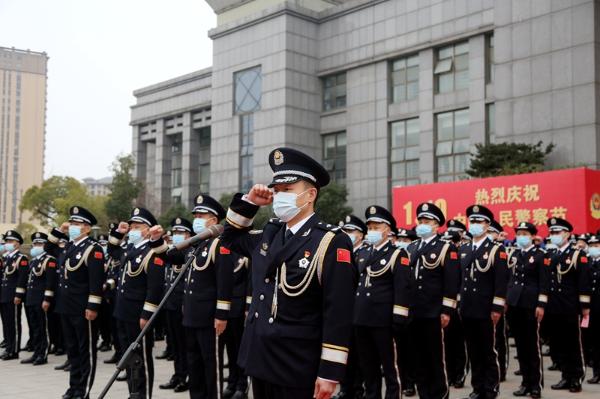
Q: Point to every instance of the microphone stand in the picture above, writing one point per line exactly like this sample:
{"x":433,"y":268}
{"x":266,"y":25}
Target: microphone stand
{"x":131,"y":357}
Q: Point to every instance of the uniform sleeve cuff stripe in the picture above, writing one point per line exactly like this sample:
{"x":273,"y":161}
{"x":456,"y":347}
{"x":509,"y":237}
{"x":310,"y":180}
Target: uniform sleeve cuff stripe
{"x":499,"y":301}
{"x":162,"y":248}
{"x":52,"y":238}
{"x":584,"y":298}
{"x":223,"y":305}
{"x":543,"y":298}
{"x":20,"y":290}
{"x":334,"y":355}
{"x":114,"y":240}
{"x":149,"y":307}
{"x":248,"y":300}
{"x":48,"y":293}
{"x":94,"y":299}
{"x":400,"y":310}
{"x":238,"y":220}
{"x":448,"y":302}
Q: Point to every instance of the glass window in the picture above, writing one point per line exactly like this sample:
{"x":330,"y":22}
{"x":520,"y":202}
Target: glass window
{"x":404,"y":152}
{"x":204,"y":160}
{"x":334,"y":155}
{"x":490,"y":123}
{"x":334,"y":91}
{"x":452,"y":67}
{"x":405,"y":79}
{"x":452,"y":148}
{"x":176,"y":161}
{"x":489,"y":59}
{"x":248,"y":90}
{"x":246,"y":152}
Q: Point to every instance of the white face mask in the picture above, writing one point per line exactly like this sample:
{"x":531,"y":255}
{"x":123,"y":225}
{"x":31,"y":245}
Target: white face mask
{"x":285,"y":205}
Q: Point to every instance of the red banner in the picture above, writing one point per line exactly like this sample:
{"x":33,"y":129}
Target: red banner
{"x":572,"y":194}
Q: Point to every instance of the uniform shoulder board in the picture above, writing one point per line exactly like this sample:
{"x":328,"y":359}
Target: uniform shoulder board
{"x":329,"y":227}
{"x":542,"y":250}
{"x":275,"y":221}
{"x":255,"y":232}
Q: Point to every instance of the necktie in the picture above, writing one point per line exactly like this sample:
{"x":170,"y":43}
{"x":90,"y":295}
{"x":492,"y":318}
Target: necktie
{"x":288,"y":235}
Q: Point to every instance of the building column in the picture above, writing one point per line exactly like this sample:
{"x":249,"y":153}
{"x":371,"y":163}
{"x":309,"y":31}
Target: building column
{"x":162,"y":187}
{"x":189,"y":161}
{"x":138,"y":150}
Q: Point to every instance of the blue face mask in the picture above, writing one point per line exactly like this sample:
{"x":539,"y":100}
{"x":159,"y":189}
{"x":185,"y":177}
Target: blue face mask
{"x":402,"y":244}
{"x":424,"y":230}
{"x":594,"y":252}
{"x":374,"y":237}
{"x":476,"y":229}
{"x":556,"y":239}
{"x":523,"y":241}
{"x":9,"y":247}
{"x":74,"y":232}
{"x":1,"y":247}
{"x":198,"y":225}
{"x":135,"y":236}
{"x":178,"y":238}
{"x":285,"y":205}
{"x":36,"y":251}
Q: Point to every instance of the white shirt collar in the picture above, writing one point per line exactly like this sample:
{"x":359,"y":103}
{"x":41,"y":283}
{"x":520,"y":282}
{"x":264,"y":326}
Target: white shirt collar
{"x":12,"y":253}
{"x":40,"y":255}
{"x":564,"y":247}
{"x":527,"y":249}
{"x":428,"y":239}
{"x":298,"y":225}
{"x":80,"y":241}
{"x":377,"y":248}
{"x":139,"y":244}
{"x":476,"y":245}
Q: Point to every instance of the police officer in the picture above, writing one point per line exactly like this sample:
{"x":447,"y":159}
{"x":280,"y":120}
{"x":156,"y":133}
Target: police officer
{"x":352,"y":385}
{"x":383,"y":272}
{"x":139,"y":291}
{"x":181,"y":230}
{"x":527,"y":298}
{"x":435,"y":279}
{"x":206,"y":299}
{"x":454,"y":335}
{"x":104,"y":315}
{"x":113,"y":273}
{"x":12,"y":291}
{"x":569,"y":299}
{"x":40,"y":293}
{"x":482,"y":301}
{"x":297,"y":334}
{"x":79,"y":297}
{"x":594,"y":253}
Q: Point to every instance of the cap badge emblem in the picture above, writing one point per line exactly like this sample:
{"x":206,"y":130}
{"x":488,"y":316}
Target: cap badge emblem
{"x":372,"y":210}
{"x":475,"y":208}
{"x":178,"y":221}
{"x":277,"y":158}
{"x":75,"y":210}
{"x":347,"y":219}
{"x":425,"y":207}
{"x":199,"y":199}
{"x":136,"y":211}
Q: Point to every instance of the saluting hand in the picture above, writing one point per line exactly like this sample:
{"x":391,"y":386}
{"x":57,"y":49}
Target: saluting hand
{"x":123,"y":227}
{"x":156,"y":232}
{"x":260,"y":195}
{"x":64,"y":227}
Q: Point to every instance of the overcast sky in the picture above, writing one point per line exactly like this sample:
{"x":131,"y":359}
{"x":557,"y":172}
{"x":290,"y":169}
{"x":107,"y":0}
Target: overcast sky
{"x":100,"y":51}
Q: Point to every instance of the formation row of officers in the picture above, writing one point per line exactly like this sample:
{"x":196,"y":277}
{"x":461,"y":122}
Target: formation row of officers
{"x":302,"y":306}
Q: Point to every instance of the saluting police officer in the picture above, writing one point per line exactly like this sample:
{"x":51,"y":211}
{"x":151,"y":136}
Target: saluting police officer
{"x":40,"y":293}
{"x":79,"y":297}
{"x":139,"y":291}
{"x":384,"y":273}
{"x":113,"y":273}
{"x":105,"y":315}
{"x":181,"y":230}
{"x":482,"y":301}
{"x":527,"y":298}
{"x":569,"y":299}
{"x":594,"y":253}
{"x":297,"y":334}
{"x":435,"y":279}
{"x":206,"y":299}
{"x":352,"y":385}
{"x":12,"y":291}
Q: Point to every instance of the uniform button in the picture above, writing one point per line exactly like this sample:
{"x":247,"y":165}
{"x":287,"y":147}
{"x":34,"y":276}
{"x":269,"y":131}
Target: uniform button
{"x":474,"y":289}
{"x":560,"y":290}
{"x":256,"y":315}
{"x":420,"y":287}
{"x":122,"y":291}
{"x":261,"y":297}
{"x":420,"y":277}
{"x":267,"y":281}
{"x":465,"y":279}
{"x":190,"y":291}
{"x":368,"y":294}
{"x":192,"y":281}
{"x":358,"y":294}
{"x":474,"y":279}
{"x":271,"y":320}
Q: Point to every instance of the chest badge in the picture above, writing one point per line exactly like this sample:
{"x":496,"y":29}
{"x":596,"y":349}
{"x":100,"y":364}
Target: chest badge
{"x":303,"y":263}
{"x":306,"y":233}
{"x":568,"y":261}
{"x":306,"y":254}
{"x":78,"y":256}
{"x":531,"y":259}
{"x":432,"y":256}
{"x":382,"y":261}
{"x":204,"y":253}
{"x":463,"y":255}
{"x":138,"y":259}
{"x":485,"y":255}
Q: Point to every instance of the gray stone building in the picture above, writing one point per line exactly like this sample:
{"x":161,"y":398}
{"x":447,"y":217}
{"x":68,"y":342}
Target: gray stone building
{"x":384,"y":93}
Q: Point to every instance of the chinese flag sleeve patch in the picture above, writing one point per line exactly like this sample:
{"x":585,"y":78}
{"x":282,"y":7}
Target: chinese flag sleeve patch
{"x":51,"y":264}
{"x":503,"y":255}
{"x":158,"y":261}
{"x":23,"y":263}
{"x":453,"y":255}
{"x":224,"y":251}
{"x":584,"y":259}
{"x":404,"y":261}
{"x":98,"y":255}
{"x":343,"y":255}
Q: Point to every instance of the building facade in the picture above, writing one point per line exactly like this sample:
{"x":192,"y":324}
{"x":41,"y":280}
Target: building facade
{"x":384,"y":93}
{"x":23,"y":76}
{"x":98,"y":187}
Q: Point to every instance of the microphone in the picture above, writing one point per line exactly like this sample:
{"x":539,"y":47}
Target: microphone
{"x":210,"y":232}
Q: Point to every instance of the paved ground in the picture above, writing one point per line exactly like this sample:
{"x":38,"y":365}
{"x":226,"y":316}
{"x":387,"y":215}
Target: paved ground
{"x":32,"y":382}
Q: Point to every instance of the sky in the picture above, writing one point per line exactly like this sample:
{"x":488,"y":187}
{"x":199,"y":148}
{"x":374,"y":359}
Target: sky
{"x":100,"y":52}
